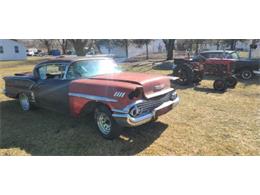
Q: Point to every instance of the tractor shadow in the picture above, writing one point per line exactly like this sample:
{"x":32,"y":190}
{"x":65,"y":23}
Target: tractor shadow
{"x":42,"y":132}
{"x":207,"y":90}
{"x":196,"y":87}
{"x":165,"y":65}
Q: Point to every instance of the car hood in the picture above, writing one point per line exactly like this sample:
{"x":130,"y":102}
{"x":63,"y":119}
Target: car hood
{"x":151,"y":83}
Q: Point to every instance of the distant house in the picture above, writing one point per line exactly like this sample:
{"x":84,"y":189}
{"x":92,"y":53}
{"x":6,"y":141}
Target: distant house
{"x":155,"y":46}
{"x":11,"y":50}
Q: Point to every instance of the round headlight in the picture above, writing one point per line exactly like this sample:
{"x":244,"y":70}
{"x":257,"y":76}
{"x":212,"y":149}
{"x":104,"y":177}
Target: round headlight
{"x":174,"y":95}
{"x":135,"y":111}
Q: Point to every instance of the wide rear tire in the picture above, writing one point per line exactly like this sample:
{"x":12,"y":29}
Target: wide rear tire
{"x":185,"y":74}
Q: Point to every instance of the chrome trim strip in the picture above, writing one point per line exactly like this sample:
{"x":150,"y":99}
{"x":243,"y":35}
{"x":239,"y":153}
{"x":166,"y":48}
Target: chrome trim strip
{"x":93,"y":97}
{"x":119,"y":94}
{"x":159,"y":93}
{"x":119,"y":111}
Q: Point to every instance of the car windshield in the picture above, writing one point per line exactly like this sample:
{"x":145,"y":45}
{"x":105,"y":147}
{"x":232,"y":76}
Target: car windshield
{"x":234,"y":55}
{"x":89,"y":68}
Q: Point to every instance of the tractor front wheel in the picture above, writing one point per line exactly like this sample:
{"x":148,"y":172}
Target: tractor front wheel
{"x":231,"y":82}
{"x":220,"y":85}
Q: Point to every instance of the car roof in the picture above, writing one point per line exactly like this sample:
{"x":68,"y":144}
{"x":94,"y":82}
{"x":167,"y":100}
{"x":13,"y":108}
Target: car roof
{"x":217,"y":51}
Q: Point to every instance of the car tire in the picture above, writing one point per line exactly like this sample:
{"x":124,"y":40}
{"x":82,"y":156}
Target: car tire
{"x":105,"y":123}
{"x":231,"y":82}
{"x":24,"y":102}
{"x":220,"y":85}
{"x":246,"y":74}
{"x":185,"y":74}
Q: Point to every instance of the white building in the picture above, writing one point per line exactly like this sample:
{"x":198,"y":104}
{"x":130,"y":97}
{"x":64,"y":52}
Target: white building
{"x":155,"y":46}
{"x":11,"y":50}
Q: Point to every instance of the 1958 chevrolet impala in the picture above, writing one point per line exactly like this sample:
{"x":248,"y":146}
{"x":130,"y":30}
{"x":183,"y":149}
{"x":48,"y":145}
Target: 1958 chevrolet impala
{"x":94,"y":84}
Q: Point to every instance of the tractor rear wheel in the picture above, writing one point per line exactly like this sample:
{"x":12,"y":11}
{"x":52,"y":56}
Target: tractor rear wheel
{"x":185,"y":74}
{"x":220,"y":85}
{"x":197,"y":77}
{"x":231,"y":82}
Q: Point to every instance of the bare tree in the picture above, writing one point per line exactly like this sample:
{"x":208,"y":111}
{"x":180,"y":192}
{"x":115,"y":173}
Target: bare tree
{"x":231,"y":43}
{"x":122,"y":43}
{"x":169,"y":44}
{"x":141,"y":42}
{"x":63,"y":44}
{"x":82,"y":46}
{"x":47,"y":43}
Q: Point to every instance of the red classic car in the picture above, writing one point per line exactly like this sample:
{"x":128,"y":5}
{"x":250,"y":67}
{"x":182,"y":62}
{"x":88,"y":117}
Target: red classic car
{"x":94,"y":84}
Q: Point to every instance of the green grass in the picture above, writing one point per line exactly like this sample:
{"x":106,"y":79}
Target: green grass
{"x":204,"y":123}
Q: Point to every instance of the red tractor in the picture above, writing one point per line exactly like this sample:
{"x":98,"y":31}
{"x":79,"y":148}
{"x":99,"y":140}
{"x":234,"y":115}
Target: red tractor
{"x":194,"y":70}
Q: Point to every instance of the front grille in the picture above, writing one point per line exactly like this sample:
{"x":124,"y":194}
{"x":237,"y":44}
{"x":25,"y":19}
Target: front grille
{"x":151,"y":104}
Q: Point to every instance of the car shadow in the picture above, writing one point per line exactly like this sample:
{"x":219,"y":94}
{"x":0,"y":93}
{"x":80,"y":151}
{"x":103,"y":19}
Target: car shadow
{"x":254,"y":81}
{"x":42,"y":132}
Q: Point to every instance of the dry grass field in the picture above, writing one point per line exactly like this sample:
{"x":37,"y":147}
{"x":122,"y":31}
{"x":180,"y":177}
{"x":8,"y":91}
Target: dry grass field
{"x":204,"y":123}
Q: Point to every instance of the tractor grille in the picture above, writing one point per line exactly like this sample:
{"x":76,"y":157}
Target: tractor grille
{"x":151,"y":104}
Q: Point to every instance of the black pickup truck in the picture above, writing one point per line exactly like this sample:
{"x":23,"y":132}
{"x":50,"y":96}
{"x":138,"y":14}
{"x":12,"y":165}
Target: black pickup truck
{"x":244,"y":68}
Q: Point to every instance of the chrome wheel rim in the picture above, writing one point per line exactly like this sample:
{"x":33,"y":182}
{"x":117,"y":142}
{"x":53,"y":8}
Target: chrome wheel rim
{"x":246,"y":75}
{"x":104,"y":123}
{"x":24,"y":102}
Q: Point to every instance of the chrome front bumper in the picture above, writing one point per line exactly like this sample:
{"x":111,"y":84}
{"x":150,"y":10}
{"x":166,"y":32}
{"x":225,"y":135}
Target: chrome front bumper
{"x":257,"y":72}
{"x":127,"y":121}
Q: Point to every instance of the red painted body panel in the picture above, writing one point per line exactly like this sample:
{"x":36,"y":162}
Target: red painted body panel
{"x":76,"y":105}
{"x":148,"y":81}
{"x":107,"y":85}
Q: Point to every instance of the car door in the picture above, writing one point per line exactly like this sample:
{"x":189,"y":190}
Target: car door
{"x":51,"y":90}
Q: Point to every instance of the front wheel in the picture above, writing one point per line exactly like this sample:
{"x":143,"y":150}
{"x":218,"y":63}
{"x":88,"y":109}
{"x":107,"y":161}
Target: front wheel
{"x":231,"y":82}
{"x":220,"y":85}
{"x":106,"y":125}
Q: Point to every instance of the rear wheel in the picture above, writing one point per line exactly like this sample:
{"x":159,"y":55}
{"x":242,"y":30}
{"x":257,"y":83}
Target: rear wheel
{"x":185,"y":74}
{"x":231,"y":82}
{"x":106,"y":125}
{"x":246,"y":74}
{"x":24,"y":102}
{"x":220,"y":85}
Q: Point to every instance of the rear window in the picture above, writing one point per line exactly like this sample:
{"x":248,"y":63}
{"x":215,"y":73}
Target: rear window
{"x":212,"y":55}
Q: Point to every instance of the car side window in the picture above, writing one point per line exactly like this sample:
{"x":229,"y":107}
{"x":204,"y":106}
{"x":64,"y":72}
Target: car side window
{"x":52,"y":71}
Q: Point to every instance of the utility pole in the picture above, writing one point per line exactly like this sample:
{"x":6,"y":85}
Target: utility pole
{"x":250,"y":49}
